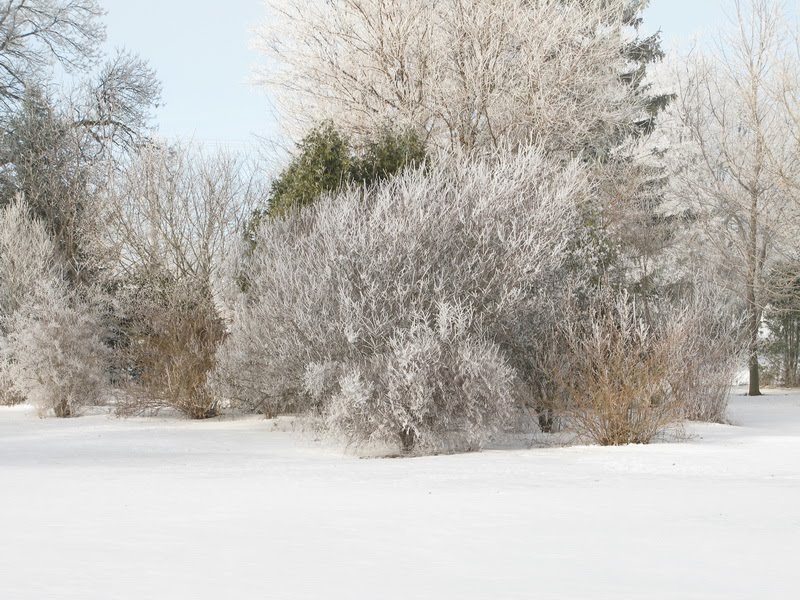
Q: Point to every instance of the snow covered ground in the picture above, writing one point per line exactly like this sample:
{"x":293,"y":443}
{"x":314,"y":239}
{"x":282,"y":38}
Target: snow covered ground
{"x":100,"y":508}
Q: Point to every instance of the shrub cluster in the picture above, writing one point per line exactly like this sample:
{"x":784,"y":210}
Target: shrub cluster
{"x":484,"y":231}
{"x":422,"y":312}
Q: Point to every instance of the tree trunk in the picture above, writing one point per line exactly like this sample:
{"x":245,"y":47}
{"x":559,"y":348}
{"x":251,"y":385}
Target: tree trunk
{"x":753,"y":324}
{"x":754,"y":389}
{"x":546,"y":421}
{"x":753,"y":271}
{"x":790,"y":375}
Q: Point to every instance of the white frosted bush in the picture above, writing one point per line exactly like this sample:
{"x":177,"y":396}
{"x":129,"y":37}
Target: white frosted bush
{"x":26,"y":268}
{"x":26,"y":258}
{"x":712,"y":350}
{"x":54,"y":353}
{"x":439,"y":387}
{"x":339,"y":293}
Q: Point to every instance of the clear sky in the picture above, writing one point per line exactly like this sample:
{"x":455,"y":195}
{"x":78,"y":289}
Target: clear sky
{"x":679,"y":20}
{"x":201,"y":51}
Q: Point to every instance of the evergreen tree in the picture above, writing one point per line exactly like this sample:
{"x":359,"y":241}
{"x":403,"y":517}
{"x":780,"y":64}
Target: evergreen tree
{"x":327,"y":160}
{"x":626,"y":228}
{"x":782,"y":320}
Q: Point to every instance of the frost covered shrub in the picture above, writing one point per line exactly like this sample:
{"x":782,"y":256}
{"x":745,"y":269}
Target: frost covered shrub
{"x":348,"y":289}
{"x":26,"y":267}
{"x":438,"y":386}
{"x":616,"y":374}
{"x":55,"y":355}
{"x":623,"y":370}
{"x":26,"y":257}
{"x":171,"y":337}
{"x":711,"y":353}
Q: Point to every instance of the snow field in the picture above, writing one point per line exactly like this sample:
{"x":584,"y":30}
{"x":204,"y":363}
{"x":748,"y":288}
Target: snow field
{"x":101,"y":508}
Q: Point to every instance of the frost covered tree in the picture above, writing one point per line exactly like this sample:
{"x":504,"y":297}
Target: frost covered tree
{"x":55,"y":157}
{"x":42,"y":164}
{"x":464,"y":74}
{"x":36,"y":34}
{"x":396,"y":313}
{"x":740,"y":163}
{"x":58,"y":153}
{"x":114,"y":108}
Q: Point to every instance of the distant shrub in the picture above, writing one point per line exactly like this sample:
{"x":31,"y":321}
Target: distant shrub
{"x":9,"y":396}
{"x":712,"y":351}
{"x":171,"y":335}
{"x":782,"y":320}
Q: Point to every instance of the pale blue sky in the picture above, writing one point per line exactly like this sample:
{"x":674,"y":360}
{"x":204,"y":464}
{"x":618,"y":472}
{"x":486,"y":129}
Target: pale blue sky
{"x":200,"y":49}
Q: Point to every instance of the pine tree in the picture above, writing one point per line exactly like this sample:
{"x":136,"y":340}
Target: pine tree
{"x":627,"y":223}
{"x":327,"y":160}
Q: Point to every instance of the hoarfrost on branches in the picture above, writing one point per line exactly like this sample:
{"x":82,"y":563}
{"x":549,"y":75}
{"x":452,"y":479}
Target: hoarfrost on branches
{"x":424,"y":277}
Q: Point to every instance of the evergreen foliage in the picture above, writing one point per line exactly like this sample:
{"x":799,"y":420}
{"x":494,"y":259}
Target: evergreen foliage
{"x":782,"y":320}
{"x":327,"y":160}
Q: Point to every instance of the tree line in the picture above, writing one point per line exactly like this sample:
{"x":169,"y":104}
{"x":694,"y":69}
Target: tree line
{"x":509,"y":216}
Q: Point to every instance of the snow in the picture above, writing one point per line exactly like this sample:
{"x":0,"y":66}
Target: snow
{"x":101,"y":508}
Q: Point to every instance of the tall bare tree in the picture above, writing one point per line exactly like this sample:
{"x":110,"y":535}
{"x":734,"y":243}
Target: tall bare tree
{"x":466,"y":73}
{"x":115,"y":107}
{"x":741,"y":158}
{"x":35,"y":34}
